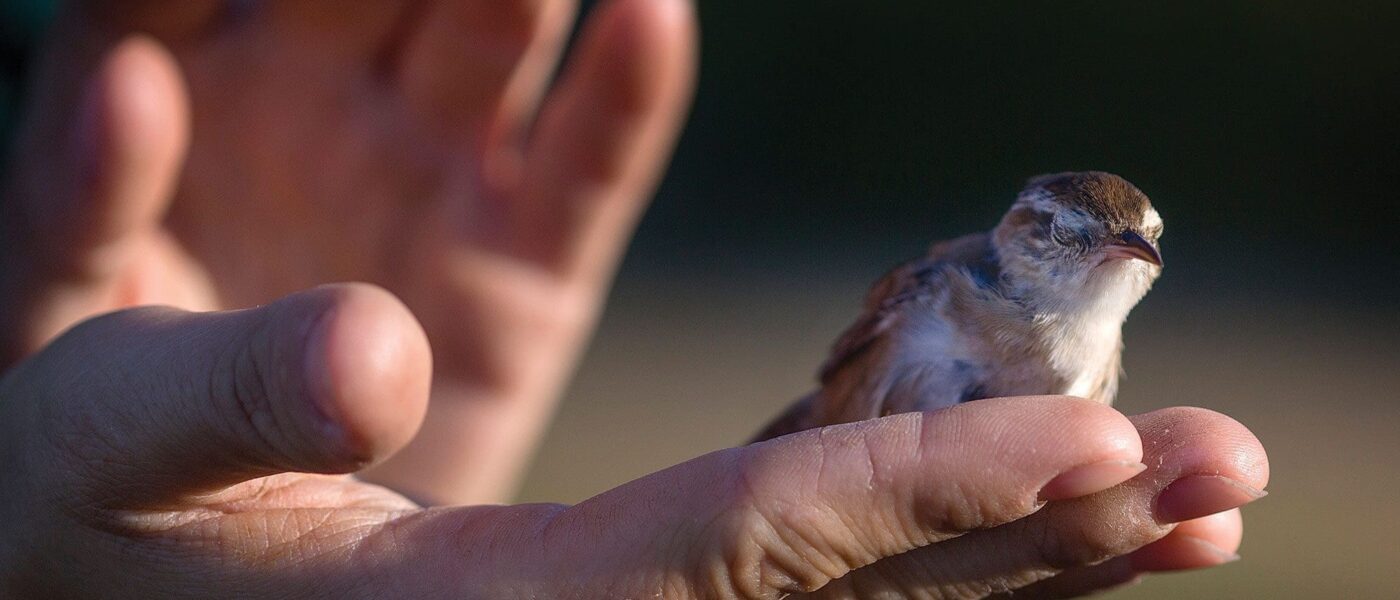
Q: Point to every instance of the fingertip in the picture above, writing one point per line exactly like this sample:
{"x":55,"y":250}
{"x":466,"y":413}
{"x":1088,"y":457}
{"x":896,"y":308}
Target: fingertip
{"x":142,"y":96}
{"x":674,"y":22}
{"x":1196,"y":544}
{"x":649,"y":48}
{"x":324,"y":381}
{"x":131,"y":135}
{"x":1204,"y":442}
{"x":625,"y":88}
{"x":1107,"y":539}
{"x":601,"y":140}
{"x":1225,"y":530}
{"x":368,"y":370}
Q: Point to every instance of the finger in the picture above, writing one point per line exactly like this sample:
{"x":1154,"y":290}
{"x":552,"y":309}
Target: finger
{"x":1199,"y":463}
{"x":92,"y":180}
{"x":477,"y":67}
{"x":114,"y":165}
{"x":605,"y":134}
{"x":1196,"y":544}
{"x":157,"y":404}
{"x":793,"y":513}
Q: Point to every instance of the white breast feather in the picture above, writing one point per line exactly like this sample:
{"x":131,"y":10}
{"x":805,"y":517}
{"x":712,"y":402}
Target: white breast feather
{"x":1085,"y":330}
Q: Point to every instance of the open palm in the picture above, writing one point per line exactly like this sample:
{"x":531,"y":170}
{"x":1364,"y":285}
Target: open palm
{"x":156,"y":453}
{"x":415,"y":145}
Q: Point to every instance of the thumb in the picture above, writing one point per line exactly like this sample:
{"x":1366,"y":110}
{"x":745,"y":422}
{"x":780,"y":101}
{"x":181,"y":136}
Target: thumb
{"x":92,"y":180}
{"x":151,"y":405}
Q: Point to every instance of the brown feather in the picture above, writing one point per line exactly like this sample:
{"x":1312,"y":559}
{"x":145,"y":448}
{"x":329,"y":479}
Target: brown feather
{"x":915,"y":279}
{"x":853,"y":378}
{"x":958,"y":324}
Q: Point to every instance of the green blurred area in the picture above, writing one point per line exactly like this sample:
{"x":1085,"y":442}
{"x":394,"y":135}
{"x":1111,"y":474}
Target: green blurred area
{"x":831,"y":139}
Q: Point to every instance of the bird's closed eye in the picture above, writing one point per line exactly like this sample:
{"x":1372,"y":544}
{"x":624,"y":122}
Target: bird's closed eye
{"x":1072,"y":237}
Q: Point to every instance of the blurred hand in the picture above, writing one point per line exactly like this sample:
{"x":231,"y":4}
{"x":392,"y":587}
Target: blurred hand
{"x":177,"y":445}
{"x":415,"y":145}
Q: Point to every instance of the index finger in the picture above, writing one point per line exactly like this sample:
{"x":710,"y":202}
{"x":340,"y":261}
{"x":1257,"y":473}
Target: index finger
{"x":794,"y":513}
{"x":786,"y":515}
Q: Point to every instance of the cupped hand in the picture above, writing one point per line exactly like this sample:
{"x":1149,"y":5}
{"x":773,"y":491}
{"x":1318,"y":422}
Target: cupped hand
{"x":159,"y":453}
{"x":420,"y":146}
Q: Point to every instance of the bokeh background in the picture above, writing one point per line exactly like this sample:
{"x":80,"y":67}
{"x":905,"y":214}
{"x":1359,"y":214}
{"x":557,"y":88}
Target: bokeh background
{"x":831,"y":140}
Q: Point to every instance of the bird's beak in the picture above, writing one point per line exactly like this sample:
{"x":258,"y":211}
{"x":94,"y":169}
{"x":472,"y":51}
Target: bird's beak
{"x":1130,"y":245}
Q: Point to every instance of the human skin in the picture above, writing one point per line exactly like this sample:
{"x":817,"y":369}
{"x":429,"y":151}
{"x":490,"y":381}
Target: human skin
{"x":159,"y":453}
{"x":417,"y":146}
{"x":176,"y":445}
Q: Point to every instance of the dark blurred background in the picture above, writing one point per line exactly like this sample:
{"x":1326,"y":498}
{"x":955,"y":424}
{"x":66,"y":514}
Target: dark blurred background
{"x":833,"y":139}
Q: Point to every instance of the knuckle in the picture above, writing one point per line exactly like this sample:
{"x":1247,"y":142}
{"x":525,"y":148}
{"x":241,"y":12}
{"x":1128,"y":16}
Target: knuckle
{"x":239,"y":385}
{"x":758,"y":557}
{"x":960,"y":504}
{"x":1211,"y":437}
{"x":81,"y":450}
{"x":764,"y":545}
{"x":965,"y":507}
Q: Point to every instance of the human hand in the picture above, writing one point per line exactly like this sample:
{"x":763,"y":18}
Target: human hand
{"x":158,"y":453}
{"x":415,"y":145}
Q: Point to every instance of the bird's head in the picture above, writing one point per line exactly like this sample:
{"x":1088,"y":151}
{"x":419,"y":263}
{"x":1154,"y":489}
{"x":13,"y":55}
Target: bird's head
{"x":1080,"y":235}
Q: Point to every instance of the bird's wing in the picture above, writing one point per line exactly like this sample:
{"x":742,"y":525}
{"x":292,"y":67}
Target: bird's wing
{"x":857,"y":378}
{"x":912,"y":280}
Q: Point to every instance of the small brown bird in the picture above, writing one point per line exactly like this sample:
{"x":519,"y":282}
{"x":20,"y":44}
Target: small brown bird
{"x":1036,"y":306}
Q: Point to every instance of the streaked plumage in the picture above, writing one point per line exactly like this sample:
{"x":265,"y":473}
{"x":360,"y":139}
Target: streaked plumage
{"x":1036,"y":306}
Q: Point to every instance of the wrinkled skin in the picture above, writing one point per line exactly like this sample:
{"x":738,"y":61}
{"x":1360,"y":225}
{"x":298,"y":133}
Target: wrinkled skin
{"x":154,"y":452}
{"x":201,"y":451}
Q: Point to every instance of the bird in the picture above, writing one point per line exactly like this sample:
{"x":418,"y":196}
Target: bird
{"x":1035,"y":306}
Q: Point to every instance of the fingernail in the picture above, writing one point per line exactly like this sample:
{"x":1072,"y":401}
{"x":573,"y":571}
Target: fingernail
{"x":1088,"y":479}
{"x":1196,"y":496}
{"x":1180,"y":553}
